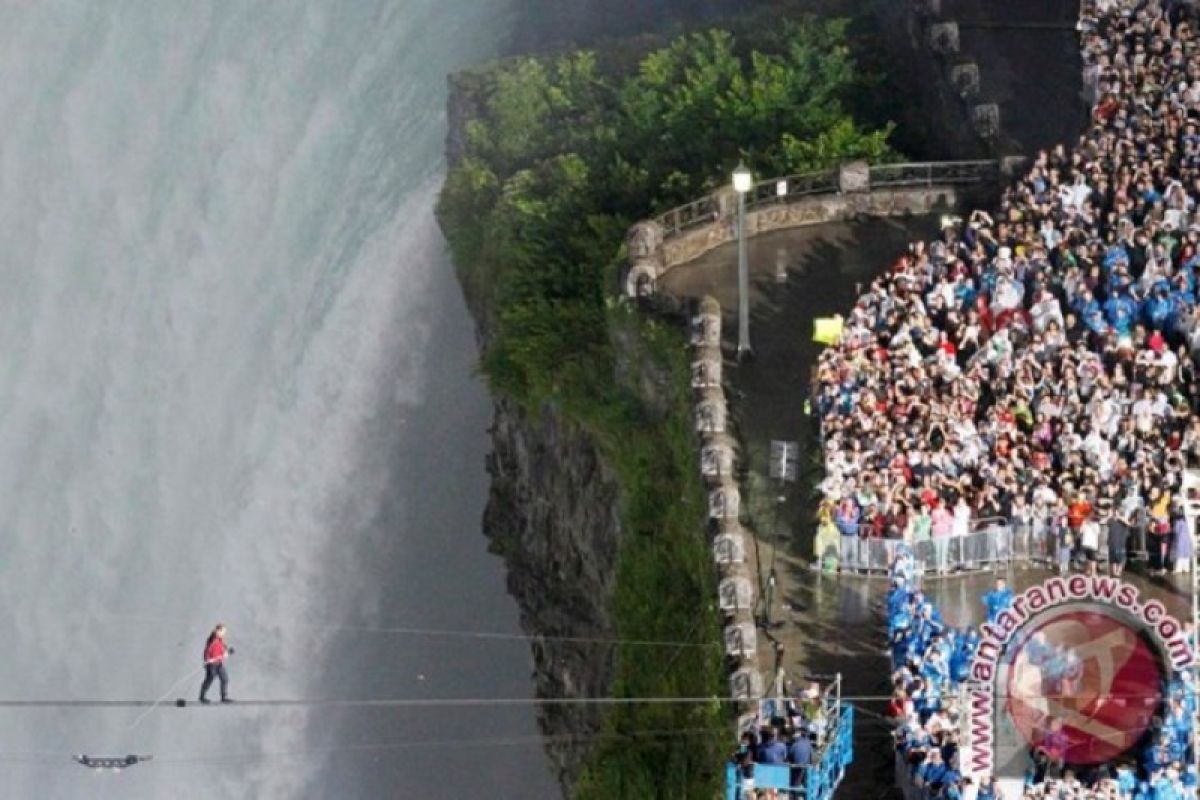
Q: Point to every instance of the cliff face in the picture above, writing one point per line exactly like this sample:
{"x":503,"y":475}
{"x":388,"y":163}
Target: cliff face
{"x":552,"y":515}
{"x":462,"y":106}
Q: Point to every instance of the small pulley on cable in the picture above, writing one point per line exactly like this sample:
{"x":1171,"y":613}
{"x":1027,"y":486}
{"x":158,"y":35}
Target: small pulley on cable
{"x":113,"y":763}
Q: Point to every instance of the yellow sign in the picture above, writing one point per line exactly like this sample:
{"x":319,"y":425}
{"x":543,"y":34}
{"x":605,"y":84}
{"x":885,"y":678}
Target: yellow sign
{"x":827,"y":330}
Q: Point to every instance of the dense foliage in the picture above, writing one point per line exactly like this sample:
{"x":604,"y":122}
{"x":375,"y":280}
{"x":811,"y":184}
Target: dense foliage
{"x":561,"y":156}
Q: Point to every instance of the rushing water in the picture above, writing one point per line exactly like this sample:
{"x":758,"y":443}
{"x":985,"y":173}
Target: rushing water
{"x":236,"y":385}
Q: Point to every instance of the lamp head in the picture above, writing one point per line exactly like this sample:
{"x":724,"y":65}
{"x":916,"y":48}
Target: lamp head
{"x":743,"y":181}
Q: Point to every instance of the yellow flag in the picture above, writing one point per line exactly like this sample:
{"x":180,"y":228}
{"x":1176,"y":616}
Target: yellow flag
{"x":827,"y":330}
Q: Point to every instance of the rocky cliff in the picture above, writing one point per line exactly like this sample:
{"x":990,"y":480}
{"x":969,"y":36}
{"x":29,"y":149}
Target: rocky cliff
{"x":552,"y":515}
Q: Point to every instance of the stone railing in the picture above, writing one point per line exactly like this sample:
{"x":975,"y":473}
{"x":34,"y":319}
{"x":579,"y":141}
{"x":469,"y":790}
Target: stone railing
{"x":736,"y":593}
{"x":855,"y":189}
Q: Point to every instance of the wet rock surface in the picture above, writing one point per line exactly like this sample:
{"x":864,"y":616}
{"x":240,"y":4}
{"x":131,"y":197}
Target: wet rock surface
{"x":552,"y":515}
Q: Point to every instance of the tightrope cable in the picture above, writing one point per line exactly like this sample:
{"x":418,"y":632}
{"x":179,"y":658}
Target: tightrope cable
{"x":470,"y":702}
{"x":165,"y":695}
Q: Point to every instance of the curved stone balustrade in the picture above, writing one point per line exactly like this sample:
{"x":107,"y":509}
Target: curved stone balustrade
{"x":855,"y":189}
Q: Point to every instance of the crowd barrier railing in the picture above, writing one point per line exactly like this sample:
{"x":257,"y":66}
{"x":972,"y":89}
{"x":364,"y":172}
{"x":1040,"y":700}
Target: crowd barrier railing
{"x":818,"y":781}
{"x":991,"y":542}
{"x":832,"y":754}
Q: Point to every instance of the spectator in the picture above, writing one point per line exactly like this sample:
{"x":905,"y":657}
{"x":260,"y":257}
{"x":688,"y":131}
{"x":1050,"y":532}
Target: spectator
{"x":998,"y":599}
{"x":800,"y":756}
{"x":770,"y":749}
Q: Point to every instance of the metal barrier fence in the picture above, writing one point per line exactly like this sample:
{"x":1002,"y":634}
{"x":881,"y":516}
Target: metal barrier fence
{"x":833,"y":733}
{"x":696,"y":213}
{"x":992,"y":542}
{"x":934,"y":173}
{"x":793,"y":187}
{"x":784,"y":190}
{"x":817,"y":781}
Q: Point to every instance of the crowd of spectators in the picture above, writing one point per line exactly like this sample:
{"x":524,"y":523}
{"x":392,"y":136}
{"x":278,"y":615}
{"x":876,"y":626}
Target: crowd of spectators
{"x":789,"y":733}
{"x":1041,"y":360}
{"x":1039,"y":364}
{"x":930,"y":660}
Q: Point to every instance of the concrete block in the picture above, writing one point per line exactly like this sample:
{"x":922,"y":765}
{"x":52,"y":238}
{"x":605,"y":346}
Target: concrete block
{"x":943,"y":38}
{"x":706,"y":369}
{"x":729,"y":548}
{"x":642,"y":279}
{"x":716,"y":460}
{"x":706,"y":327}
{"x":965,"y":79}
{"x":644,"y":239}
{"x":746,"y":684}
{"x":741,"y":640}
{"x":854,"y":176}
{"x":735,"y":594}
{"x":710,"y":417}
{"x":985,"y":118}
{"x":724,"y":502}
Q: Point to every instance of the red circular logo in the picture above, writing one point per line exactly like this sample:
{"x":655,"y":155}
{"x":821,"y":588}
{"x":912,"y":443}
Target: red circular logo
{"x":1083,"y":686}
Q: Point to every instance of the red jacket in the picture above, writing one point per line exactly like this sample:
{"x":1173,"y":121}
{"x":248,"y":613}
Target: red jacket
{"x":214,"y":651}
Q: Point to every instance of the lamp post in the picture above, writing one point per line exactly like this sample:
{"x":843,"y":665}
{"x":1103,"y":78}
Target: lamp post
{"x":743,"y":182}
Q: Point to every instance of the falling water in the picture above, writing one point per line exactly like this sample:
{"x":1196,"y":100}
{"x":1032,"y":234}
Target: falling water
{"x":235,"y":386}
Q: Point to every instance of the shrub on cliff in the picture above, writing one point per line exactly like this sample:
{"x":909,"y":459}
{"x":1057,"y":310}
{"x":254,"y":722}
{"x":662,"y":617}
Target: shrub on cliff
{"x":570,"y":152}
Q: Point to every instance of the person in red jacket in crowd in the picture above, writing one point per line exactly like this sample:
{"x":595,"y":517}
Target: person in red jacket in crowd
{"x":215,"y":653}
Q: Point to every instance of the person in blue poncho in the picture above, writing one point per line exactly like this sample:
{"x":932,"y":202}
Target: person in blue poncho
{"x":1181,"y":301}
{"x":932,"y":772}
{"x":988,"y":790}
{"x":901,"y":619}
{"x":1126,"y":779}
{"x":926,"y":699}
{"x":897,"y":598}
{"x":934,"y":669}
{"x":1121,"y":312}
{"x":1115,"y":255}
{"x":1095,"y":320}
{"x":1177,"y":722}
{"x":960,"y":662}
{"x":1158,"y":306}
{"x":926,"y":626}
{"x":1083,"y":301}
{"x":1158,"y":754}
{"x":1092,"y":314}
{"x":998,"y":599}
{"x":1167,"y":786}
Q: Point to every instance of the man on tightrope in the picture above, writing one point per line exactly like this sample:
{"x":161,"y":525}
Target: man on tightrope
{"x":215,"y":653}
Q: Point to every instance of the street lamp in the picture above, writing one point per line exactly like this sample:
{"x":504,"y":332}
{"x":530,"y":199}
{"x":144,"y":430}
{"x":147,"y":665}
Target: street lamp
{"x":743,"y":182}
